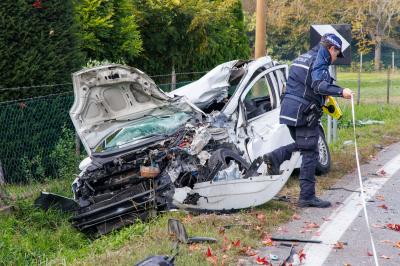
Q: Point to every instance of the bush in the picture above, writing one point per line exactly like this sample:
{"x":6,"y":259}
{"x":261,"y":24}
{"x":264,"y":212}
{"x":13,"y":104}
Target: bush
{"x":64,"y":158}
{"x":38,"y":46}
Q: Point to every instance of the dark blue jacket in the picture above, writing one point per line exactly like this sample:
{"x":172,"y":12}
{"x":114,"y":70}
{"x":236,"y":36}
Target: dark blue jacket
{"x":308,"y":82}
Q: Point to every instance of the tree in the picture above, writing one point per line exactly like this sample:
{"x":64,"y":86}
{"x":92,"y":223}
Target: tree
{"x":374,"y":23}
{"x":108,"y":30}
{"x":190,"y":35}
{"x":37,"y":44}
{"x":289,"y":21}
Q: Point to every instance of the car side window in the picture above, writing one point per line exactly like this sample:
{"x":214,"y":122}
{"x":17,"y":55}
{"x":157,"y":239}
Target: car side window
{"x":258,"y":99}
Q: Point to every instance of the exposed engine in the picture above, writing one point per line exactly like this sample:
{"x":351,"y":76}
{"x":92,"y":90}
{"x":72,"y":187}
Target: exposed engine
{"x":142,"y":182}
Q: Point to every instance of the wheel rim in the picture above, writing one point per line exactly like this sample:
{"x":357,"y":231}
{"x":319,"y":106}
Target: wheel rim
{"x":323,"y":152}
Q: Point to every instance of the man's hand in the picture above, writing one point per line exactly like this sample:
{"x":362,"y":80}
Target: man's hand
{"x":347,"y":93}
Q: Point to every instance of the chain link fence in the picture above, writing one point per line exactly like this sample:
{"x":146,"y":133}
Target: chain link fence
{"x":37,"y":139}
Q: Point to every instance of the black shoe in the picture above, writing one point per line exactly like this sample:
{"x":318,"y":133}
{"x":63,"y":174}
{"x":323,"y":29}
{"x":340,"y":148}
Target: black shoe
{"x":313,"y":202}
{"x":272,"y":164}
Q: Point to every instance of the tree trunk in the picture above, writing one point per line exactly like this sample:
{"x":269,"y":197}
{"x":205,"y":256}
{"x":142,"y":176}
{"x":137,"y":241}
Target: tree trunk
{"x":378,"y":53}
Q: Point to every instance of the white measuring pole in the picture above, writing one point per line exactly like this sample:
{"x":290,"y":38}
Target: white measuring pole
{"x":361,"y":184}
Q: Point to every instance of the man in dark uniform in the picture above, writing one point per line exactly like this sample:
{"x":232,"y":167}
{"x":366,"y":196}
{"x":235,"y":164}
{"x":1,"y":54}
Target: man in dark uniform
{"x":308,"y":83}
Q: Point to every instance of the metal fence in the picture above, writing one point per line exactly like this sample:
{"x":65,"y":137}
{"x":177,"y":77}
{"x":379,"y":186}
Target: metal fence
{"x":373,"y":87}
{"x":35,"y":130}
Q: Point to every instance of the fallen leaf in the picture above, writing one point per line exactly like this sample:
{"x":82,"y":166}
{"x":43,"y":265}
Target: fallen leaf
{"x":193,"y":247}
{"x":261,"y":217}
{"x":302,"y":255}
{"x":312,"y":225}
{"x":382,"y":172}
{"x":258,"y":228}
{"x":261,"y":261}
{"x":213,"y":260}
{"x":338,"y":245}
{"x":267,"y":241}
{"x":221,"y":230}
{"x":224,"y":257}
{"x":296,"y":217}
{"x":236,"y":243}
{"x":247,"y":251}
{"x":384,"y":257}
{"x":226,"y":248}
{"x":395,"y":227}
{"x":397,"y":244}
{"x":187,"y":219}
{"x":383,"y":206}
{"x":386,"y":241}
{"x":346,"y":264}
{"x":370,"y":253}
{"x":380,"y":197}
{"x":209,"y":253}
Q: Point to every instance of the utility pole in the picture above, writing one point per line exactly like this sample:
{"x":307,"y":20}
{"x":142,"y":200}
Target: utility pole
{"x":260,"y":28}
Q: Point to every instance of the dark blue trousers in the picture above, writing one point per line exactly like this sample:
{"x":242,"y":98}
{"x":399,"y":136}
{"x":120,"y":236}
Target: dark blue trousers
{"x":306,"y":141}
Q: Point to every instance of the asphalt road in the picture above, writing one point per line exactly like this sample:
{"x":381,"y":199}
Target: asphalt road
{"x":345,"y":222}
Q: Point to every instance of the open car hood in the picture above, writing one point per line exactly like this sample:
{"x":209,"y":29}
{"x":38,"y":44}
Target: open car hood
{"x":111,"y":97}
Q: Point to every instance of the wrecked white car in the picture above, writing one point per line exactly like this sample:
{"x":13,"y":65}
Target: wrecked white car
{"x":191,"y":148}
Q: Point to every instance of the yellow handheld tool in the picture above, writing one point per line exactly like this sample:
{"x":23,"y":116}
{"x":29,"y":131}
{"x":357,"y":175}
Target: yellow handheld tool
{"x":332,"y":108}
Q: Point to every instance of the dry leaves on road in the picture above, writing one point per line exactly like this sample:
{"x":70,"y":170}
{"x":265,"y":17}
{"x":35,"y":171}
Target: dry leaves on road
{"x":311,"y":225}
{"x":296,"y":217}
{"x":248,"y":251}
{"x":383,"y":206}
{"x":338,"y":245}
{"x":262,"y":261}
{"x":381,"y":173}
{"x":380,"y":197}
{"x":395,"y":227}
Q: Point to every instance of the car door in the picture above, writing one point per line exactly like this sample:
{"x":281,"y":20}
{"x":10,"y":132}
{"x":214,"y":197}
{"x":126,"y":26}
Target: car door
{"x":260,"y":104}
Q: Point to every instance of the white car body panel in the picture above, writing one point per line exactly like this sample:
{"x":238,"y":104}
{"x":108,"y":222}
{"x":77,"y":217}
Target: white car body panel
{"x":237,"y":194}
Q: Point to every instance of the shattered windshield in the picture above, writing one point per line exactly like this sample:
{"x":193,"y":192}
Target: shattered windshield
{"x":149,"y":126}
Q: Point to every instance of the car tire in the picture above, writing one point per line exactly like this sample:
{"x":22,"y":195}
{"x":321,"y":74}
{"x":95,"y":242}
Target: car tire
{"x":324,"y":157}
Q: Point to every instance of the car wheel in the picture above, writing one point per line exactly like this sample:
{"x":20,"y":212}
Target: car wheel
{"x":324,"y":157}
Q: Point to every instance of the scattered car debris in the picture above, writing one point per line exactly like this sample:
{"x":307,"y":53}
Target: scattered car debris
{"x":296,"y":240}
{"x":370,"y":122}
{"x":47,"y":200}
{"x":273,"y":257}
{"x":157,"y":260}
{"x":178,"y":231}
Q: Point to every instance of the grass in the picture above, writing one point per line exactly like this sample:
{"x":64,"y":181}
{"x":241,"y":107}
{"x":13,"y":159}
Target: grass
{"x":373,"y":88}
{"x":31,"y":236}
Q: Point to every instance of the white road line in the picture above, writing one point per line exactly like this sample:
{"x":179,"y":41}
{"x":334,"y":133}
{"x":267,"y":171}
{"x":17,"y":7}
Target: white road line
{"x":331,"y":231}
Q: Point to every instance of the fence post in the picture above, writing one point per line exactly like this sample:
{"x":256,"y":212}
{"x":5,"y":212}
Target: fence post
{"x":77,"y":145}
{"x":393,"y":61}
{"x":359,"y":81}
{"x":2,"y":178}
{"x":173,"y":79}
{"x":388,"y":85}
